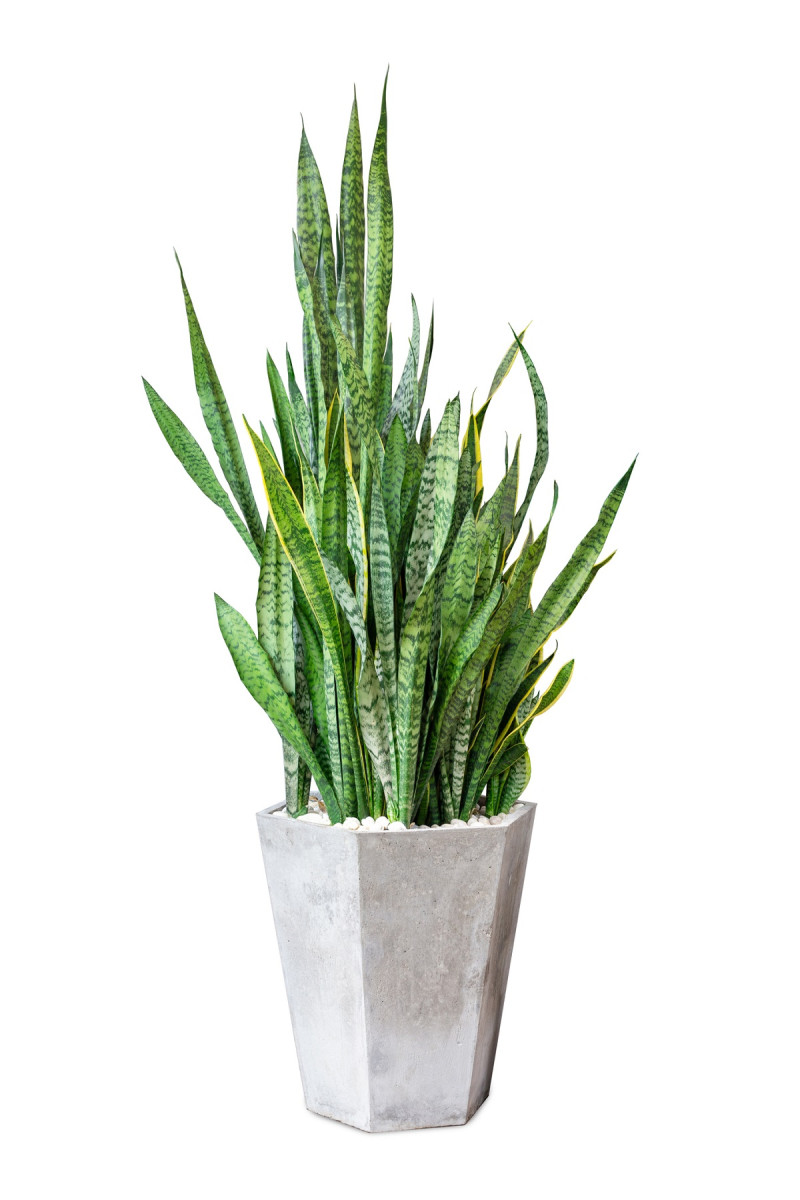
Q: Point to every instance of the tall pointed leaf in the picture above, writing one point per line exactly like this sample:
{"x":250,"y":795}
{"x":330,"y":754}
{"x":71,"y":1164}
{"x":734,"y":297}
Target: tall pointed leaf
{"x":353,"y":231}
{"x":542,"y":437}
{"x":380,"y":249}
{"x":219,"y":422}
{"x":313,"y":222}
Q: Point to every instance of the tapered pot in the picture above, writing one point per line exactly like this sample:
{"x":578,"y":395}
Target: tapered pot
{"x":395,"y":950}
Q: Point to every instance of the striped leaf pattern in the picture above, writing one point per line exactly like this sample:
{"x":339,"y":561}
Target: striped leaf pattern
{"x":380,"y":251}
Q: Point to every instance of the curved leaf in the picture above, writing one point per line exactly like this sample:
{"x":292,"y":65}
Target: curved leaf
{"x":257,"y":674}
{"x":191,"y":457}
{"x":219,"y":422}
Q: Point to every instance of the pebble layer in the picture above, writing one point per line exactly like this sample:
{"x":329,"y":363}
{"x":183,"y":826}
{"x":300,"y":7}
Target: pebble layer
{"x":478,"y":820}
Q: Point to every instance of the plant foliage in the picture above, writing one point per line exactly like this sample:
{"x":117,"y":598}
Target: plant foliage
{"x":396,"y":648}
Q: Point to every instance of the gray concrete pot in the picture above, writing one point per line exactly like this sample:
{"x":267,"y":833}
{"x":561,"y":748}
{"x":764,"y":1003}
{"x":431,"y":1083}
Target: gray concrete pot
{"x":395,"y":950}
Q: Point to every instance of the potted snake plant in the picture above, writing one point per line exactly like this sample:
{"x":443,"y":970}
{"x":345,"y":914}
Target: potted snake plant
{"x":396,"y":650}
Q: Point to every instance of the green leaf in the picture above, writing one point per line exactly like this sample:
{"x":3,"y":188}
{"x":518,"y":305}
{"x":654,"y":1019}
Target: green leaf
{"x":542,"y":438}
{"x":459,"y":584}
{"x":404,"y":404}
{"x":522,"y":701}
{"x":562,"y":596}
{"x":394,"y":465}
{"x":334,"y":495}
{"x":314,"y":388}
{"x":357,"y":542}
{"x":437,"y":492}
{"x":274,"y":612}
{"x":302,"y":551}
{"x":219,"y":422}
{"x":191,"y":457}
{"x":314,"y":223}
{"x":319,"y":355}
{"x":257,"y":674}
{"x":462,"y":735}
{"x":380,"y":239}
{"x":382,"y":585}
{"x":306,"y":434}
{"x":473,"y":644}
{"x":448,"y":810}
{"x":413,"y":661}
{"x":315,"y":678}
{"x":304,"y":714}
{"x":312,"y":497}
{"x":512,"y":662}
{"x":353,"y":230}
{"x":556,"y":689}
{"x":286,"y":427}
{"x":275,"y":608}
{"x":425,"y":433}
{"x":472,"y":652}
{"x":373,"y":706}
{"x":584,"y":588}
{"x":518,"y":778}
{"x":360,"y":399}
{"x":423,"y":378}
{"x":506,"y":363}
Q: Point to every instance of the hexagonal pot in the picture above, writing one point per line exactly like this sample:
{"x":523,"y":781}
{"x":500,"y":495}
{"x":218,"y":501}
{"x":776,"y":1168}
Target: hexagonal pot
{"x":395,"y":950}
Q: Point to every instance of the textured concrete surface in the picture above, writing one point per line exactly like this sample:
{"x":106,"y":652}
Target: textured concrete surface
{"x":395,"y":950}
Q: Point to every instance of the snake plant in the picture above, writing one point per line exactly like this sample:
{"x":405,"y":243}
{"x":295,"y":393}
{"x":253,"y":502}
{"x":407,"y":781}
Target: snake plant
{"x":395,"y":648}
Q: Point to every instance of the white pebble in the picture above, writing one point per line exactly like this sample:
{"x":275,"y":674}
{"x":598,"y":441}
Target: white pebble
{"x":517,"y":807}
{"x":368,"y":823}
{"x":312,"y":818}
{"x":482,"y":820}
{"x":381,"y":823}
{"x":281,"y":813}
{"x":472,"y":821}
{"x":422,"y":826}
{"x":397,"y":827}
{"x":482,"y":810}
{"x":498,"y":819}
{"x":351,"y":823}
{"x":458,"y":821}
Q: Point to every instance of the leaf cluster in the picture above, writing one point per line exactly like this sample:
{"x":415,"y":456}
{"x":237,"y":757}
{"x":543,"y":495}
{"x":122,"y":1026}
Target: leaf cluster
{"x":395,"y":648}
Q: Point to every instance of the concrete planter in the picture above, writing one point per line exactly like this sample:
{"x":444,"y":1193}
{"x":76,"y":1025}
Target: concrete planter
{"x":395,"y":950}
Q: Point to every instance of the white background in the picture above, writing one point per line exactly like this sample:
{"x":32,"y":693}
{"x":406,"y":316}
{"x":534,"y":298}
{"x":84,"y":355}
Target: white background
{"x":625,"y":177}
